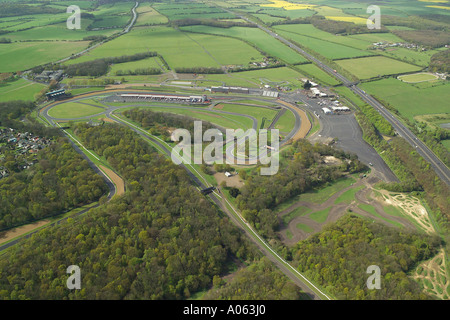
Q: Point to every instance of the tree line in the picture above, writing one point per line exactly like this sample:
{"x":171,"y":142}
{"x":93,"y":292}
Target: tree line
{"x":99,"y":67}
{"x":440,"y":61}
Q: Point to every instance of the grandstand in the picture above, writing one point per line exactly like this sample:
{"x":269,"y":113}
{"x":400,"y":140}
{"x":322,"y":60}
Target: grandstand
{"x":165,"y":98}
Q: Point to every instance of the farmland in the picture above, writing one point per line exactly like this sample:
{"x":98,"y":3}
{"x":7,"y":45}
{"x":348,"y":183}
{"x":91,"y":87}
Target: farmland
{"x":371,"y":67}
{"x":256,"y":37}
{"x":177,"y":48}
{"x":24,"y":55}
{"x":19,"y":89}
{"x":408,"y":99}
{"x":325,"y":48}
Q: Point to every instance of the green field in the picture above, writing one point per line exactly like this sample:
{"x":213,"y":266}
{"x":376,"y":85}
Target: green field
{"x":152,"y":62}
{"x":327,"y":49}
{"x":58,"y":32}
{"x":257,"y":37}
{"x":408,"y":99}
{"x":311,"y":31}
{"x":71,"y":110}
{"x":19,"y":90}
{"x":19,"y":56}
{"x":370,"y":67}
{"x":178,"y":48}
{"x":149,"y":16}
{"x":320,"y":216}
{"x":418,"y":77}
{"x":191,"y":10}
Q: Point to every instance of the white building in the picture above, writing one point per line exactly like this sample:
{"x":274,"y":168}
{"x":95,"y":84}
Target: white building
{"x":326,"y":110}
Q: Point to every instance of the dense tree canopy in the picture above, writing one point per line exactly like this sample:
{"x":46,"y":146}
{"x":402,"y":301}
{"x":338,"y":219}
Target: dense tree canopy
{"x":162,"y":240}
{"x":61,"y":180}
{"x":339,"y":255}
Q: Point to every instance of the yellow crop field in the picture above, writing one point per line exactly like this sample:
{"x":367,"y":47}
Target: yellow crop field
{"x":287,"y":5}
{"x":435,"y":1}
{"x":439,"y":7}
{"x":356,"y":20}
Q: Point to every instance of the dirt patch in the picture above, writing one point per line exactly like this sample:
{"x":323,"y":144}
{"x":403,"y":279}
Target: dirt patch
{"x":118,"y":181}
{"x":411,"y":206}
{"x":432,"y":274}
{"x":331,"y":160}
{"x":16,"y":232}
{"x":232,"y":181}
{"x":218,"y":106}
{"x":107,"y":120}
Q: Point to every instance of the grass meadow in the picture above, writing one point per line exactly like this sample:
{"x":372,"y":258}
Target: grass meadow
{"x":370,"y":67}
{"x":409,"y":100}
{"x":257,"y":37}
{"x":19,"y":90}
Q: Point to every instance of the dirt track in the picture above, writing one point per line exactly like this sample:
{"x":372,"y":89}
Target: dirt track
{"x":305,"y":123}
{"x":118,"y":181}
{"x":363,"y":196}
{"x":13,"y":233}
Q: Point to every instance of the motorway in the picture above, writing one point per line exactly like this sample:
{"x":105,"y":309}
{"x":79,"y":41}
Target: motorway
{"x":439,"y":167}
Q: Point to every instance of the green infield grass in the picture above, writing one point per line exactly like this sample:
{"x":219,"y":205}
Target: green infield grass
{"x":418,"y":77}
{"x":72,"y":110}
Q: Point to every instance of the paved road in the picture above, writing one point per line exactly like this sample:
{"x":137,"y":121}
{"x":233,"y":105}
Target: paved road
{"x":439,"y":167}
